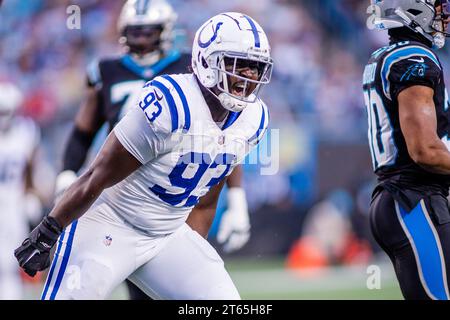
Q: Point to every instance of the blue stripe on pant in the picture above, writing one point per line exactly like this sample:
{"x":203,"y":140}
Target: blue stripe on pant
{"x":54,"y":263}
{"x":65,"y":260}
{"x":427,"y":250}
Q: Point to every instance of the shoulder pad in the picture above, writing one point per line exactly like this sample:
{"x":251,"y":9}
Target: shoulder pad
{"x":259,"y":127}
{"x":406,"y":63}
{"x":165,"y":104}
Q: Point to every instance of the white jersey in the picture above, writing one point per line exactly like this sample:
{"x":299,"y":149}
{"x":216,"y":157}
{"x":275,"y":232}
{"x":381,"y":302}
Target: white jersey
{"x":182,"y":150}
{"x":16,"y":149}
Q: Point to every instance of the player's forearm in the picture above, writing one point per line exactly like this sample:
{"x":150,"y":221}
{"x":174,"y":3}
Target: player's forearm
{"x":235,"y":178}
{"x":434,"y":158}
{"x":113,"y":164}
{"x":77,"y":199}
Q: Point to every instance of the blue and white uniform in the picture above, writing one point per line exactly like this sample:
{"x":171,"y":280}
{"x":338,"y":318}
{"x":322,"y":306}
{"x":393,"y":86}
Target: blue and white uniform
{"x":136,"y":229}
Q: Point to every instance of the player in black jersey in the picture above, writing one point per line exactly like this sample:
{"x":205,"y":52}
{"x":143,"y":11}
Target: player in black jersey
{"x":146,"y":28}
{"x":409,"y":122}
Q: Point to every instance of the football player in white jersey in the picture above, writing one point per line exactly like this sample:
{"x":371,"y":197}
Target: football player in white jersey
{"x":19,"y":138}
{"x":114,"y":84}
{"x":126,"y":216}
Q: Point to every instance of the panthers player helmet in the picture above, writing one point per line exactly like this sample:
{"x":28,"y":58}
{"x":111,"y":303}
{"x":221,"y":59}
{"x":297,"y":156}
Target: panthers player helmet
{"x":418,"y":15}
{"x":148,"y":18}
{"x":221,"y":46}
{"x":10,"y":100}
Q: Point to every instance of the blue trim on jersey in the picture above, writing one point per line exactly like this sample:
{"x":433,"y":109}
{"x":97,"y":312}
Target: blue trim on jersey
{"x":52,"y":269}
{"x":64,"y":261}
{"x":380,"y":51}
{"x":170,"y":101}
{"x":93,"y":72}
{"x":187,"y":113}
{"x":427,"y":250}
{"x":447,"y":102}
{"x":399,"y":55}
{"x":254,"y":30}
{"x":232,"y":117}
{"x":257,"y":135}
{"x":149,"y":72}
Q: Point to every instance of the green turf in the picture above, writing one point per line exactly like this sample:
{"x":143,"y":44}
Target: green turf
{"x":269,"y":279}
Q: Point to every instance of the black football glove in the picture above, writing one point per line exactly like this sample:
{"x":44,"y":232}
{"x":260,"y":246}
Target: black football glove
{"x":34,"y":253}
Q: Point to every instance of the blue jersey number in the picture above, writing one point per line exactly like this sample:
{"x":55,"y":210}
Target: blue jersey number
{"x":203,"y":163}
{"x":155,"y":111}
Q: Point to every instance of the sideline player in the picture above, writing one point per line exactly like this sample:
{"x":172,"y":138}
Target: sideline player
{"x":409,"y":122}
{"x":146,"y":29}
{"x":125,"y":216}
{"x":19,"y":139}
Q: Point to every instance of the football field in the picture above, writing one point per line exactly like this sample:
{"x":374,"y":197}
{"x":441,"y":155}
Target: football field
{"x":270,"y":280}
{"x":267,"y":279}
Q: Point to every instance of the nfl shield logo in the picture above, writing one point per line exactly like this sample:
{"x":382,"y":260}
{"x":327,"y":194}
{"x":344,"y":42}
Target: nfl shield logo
{"x":107,"y":241}
{"x":221,"y":140}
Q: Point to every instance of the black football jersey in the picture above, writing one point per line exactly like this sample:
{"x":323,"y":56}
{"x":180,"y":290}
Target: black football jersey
{"x":119,"y":81}
{"x":390,"y":70}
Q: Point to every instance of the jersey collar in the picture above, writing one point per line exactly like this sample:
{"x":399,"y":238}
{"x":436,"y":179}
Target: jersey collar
{"x":149,"y":72}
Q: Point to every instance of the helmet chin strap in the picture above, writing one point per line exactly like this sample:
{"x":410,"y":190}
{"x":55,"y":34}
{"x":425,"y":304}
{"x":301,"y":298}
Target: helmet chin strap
{"x":228,"y":102}
{"x":438,"y":37}
{"x":231,"y":104}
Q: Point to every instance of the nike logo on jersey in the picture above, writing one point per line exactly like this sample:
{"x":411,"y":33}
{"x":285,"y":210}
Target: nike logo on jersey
{"x":158,"y":97}
{"x":421,"y":60}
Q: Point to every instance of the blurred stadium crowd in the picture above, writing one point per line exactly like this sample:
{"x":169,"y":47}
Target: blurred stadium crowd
{"x":319,"y":49}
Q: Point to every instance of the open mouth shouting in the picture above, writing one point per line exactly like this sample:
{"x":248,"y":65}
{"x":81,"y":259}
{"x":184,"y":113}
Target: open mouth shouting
{"x":239,"y":88}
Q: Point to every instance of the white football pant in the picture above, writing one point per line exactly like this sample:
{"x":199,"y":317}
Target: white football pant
{"x":98,"y":252}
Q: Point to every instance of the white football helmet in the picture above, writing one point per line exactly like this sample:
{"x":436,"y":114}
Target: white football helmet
{"x":229,"y":39}
{"x":417,"y":15}
{"x":10,"y":100}
{"x":148,"y":13}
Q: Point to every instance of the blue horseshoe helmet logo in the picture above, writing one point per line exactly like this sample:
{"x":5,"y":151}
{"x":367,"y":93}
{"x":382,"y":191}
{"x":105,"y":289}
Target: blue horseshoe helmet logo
{"x":206,"y":44}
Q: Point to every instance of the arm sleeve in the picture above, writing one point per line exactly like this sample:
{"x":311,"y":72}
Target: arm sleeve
{"x":145,"y":131}
{"x":413,"y":71}
{"x":77,"y":149}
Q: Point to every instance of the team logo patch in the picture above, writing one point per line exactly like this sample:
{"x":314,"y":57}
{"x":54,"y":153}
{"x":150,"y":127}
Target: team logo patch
{"x":107,"y":241}
{"x":214,"y":36}
{"x":417,"y":70}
